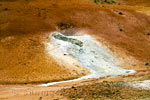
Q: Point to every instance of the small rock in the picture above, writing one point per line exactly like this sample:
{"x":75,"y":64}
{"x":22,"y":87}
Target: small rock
{"x":5,"y":9}
{"x":64,"y":38}
{"x":73,"y":87}
{"x":120,"y":13}
{"x":39,"y":14}
{"x":63,"y":26}
{"x":25,"y":83}
{"x":40,"y":98}
{"x":148,"y":33}
{"x":25,"y":64}
{"x":127,"y":71}
{"x":147,"y":64}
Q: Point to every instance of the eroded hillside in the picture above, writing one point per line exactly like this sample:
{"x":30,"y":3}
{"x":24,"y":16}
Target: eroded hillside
{"x":25,"y":27}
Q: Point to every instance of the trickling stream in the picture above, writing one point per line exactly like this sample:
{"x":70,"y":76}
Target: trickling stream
{"x":89,"y":52}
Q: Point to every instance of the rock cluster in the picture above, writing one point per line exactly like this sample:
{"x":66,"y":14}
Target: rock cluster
{"x":71,"y":40}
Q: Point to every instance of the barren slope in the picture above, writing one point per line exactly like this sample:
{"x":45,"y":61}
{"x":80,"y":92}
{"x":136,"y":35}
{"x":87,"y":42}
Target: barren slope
{"x":25,"y":25}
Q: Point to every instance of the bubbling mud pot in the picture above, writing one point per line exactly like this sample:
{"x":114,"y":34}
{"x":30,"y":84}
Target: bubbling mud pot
{"x":87,"y":51}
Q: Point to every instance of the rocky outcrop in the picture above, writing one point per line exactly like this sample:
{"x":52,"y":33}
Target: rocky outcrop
{"x":71,"y":40}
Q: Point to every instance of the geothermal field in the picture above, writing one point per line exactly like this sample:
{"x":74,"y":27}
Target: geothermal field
{"x":74,"y":50}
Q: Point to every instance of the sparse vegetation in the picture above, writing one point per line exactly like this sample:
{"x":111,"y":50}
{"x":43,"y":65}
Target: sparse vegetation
{"x":121,"y":29}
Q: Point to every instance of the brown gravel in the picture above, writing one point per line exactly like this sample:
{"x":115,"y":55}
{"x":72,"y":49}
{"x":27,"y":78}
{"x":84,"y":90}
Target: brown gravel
{"x":105,"y":91}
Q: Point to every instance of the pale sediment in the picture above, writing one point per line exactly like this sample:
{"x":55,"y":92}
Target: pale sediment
{"x":84,"y":51}
{"x":140,"y":84}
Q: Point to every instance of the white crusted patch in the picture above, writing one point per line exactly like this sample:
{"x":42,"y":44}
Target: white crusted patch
{"x":140,"y":84}
{"x":91,"y":54}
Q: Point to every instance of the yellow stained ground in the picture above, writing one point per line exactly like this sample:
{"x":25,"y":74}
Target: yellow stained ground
{"x":25,"y":26}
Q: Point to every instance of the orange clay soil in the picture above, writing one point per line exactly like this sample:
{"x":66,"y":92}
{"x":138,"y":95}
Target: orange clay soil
{"x":137,"y":2}
{"x":25,"y":26}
